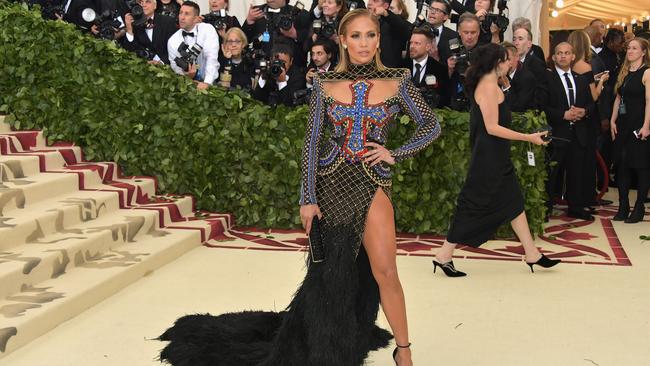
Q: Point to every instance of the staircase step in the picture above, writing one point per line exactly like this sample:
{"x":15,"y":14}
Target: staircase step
{"x":37,"y":309}
{"x":18,"y":166}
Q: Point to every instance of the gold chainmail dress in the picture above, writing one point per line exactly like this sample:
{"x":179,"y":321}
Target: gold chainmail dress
{"x":331,"y":318}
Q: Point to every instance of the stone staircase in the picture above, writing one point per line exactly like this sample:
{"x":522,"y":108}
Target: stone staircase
{"x":73,"y":233}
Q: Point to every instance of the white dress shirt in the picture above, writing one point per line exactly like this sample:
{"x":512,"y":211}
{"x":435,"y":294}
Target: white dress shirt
{"x":148,"y":31}
{"x":208,"y":61}
{"x":423,"y":69}
{"x":436,"y":40}
{"x":566,"y":87}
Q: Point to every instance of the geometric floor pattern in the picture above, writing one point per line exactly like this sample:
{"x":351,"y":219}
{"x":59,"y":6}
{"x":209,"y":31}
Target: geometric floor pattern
{"x":571,"y":240}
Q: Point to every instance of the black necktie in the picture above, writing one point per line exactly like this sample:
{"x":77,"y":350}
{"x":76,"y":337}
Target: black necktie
{"x":418,"y":74}
{"x":188,"y":34}
{"x":436,"y":33}
{"x":572,"y":97}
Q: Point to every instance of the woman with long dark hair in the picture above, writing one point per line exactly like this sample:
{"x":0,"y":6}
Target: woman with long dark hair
{"x":346,"y":183}
{"x":630,"y":127}
{"x":491,"y":194}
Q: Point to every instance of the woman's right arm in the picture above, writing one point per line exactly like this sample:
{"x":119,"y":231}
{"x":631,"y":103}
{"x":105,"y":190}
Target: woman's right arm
{"x":612,"y":121}
{"x":315,"y":124}
{"x":489,"y":104}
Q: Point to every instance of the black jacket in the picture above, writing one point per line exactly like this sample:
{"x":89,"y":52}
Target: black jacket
{"x":556,"y":104}
{"x":270,"y":93}
{"x":73,"y":15}
{"x":301,"y":23}
{"x":435,"y":68}
{"x":443,"y":44}
{"x":395,"y":32}
{"x":521,"y":95}
{"x":537,"y":67}
{"x":164,"y":28}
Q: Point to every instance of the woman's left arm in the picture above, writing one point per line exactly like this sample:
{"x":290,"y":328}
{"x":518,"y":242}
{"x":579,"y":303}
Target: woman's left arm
{"x":645,"y":130}
{"x":427,"y":127}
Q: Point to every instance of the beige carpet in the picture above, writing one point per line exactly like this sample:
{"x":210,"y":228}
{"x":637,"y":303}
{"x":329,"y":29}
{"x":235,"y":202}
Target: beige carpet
{"x":591,"y":311}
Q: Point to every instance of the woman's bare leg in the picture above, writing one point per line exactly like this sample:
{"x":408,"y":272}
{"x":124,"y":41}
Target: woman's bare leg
{"x":520,"y":227}
{"x":380,"y":243}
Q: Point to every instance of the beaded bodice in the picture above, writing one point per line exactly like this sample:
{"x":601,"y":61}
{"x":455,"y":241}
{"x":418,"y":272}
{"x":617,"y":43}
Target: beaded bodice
{"x":349,"y":126}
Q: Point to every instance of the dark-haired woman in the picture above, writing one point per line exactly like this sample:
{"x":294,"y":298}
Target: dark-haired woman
{"x":346,"y":183}
{"x":491,"y":194}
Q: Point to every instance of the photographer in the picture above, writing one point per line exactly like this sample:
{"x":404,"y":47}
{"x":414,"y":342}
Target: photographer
{"x":67,"y":10}
{"x":438,"y":15}
{"x":169,"y":8}
{"x":235,"y":71}
{"x":220,"y":19}
{"x":278,"y":22}
{"x":490,"y":30}
{"x":278,"y":83}
{"x":326,"y":27}
{"x":321,"y":59}
{"x":468,"y":29}
{"x":428,"y":75}
{"x":395,"y":32}
{"x":148,"y":36}
{"x":194,"y":49}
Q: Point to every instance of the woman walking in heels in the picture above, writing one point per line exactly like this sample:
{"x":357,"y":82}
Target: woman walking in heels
{"x":346,"y":185}
{"x":491,"y":194}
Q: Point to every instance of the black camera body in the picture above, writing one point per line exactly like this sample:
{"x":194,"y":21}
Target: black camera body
{"x":218,"y":19}
{"x":461,"y":54}
{"x":276,"y":68}
{"x":325,"y":29}
{"x":355,"y":4}
{"x":422,"y":23}
{"x":137,"y":12}
{"x":188,"y":55}
{"x":500,"y":20}
{"x":429,"y":91}
{"x":52,"y":10}
{"x":283,"y":20}
{"x":301,"y":96}
{"x":108,"y":24}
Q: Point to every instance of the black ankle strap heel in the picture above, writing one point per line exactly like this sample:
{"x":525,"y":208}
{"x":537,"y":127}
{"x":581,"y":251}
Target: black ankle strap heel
{"x":397,"y":348}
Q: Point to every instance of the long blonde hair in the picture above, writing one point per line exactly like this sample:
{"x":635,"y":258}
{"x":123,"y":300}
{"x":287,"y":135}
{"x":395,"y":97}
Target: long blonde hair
{"x":581,"y":44}
{"x":625,"y":68}
{"x":344,"y":61}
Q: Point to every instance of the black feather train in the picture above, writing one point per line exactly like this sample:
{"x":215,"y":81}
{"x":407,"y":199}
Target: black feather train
{"x":329,"y":322}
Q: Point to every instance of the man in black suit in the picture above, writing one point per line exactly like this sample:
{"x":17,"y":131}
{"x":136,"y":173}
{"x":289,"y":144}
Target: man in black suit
{"x":468,"y":30}
{"x":522,"y":22}
{"x":438,"y":15}
{"x":321,"y":53}
{"x":595,"y":37}
{"x":74,"y":8}
{"x":394,"y":30}
{"x":280,"y":89}
{"x":522,"y":38}
{"x":263,"y":22}
{"x":427,"y":74}
{"x":610,"y":54}
{"x":517,"y":84}
{"x":149,"y":39}
{"x":568,"y":107}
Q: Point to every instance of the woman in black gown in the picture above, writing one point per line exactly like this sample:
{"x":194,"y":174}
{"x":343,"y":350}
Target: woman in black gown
{"x":632,"y":151}
{"x":491,"y":194}
{"x":346,"y":182}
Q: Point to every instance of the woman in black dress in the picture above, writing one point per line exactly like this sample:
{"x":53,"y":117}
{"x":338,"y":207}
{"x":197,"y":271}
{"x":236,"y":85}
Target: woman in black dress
{"x":346,"y":183}
{"x":491,"y":194}
{"x":630,"y":124}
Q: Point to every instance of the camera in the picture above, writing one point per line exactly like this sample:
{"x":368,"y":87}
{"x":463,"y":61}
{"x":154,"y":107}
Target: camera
{"x":422,"y":23}
{"x":52,"y":10}
{"x":461,"y":54}
{"x":355,"y":4}
{"x":188,"y":55}
{"x":324,"y":29}
{"x":301,"y":96}
{"x":276,"y":68}
{"x":218,"y":19}
{"x":284,"y":21}
{"x":429,"y":92}
{"x":107,"y":22}
{"x":137,"y":12}
{"x":500,"y":20}
{"x":146,"y":54}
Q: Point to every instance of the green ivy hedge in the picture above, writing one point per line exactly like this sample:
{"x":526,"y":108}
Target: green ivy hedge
{"x":229,"y":151}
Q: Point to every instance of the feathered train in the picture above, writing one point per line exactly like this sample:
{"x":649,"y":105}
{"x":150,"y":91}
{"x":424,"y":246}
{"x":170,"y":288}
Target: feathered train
{"x":329,"y":322}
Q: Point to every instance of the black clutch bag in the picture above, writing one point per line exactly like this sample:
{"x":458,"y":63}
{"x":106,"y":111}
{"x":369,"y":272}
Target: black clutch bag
{"x":316,"y":245}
